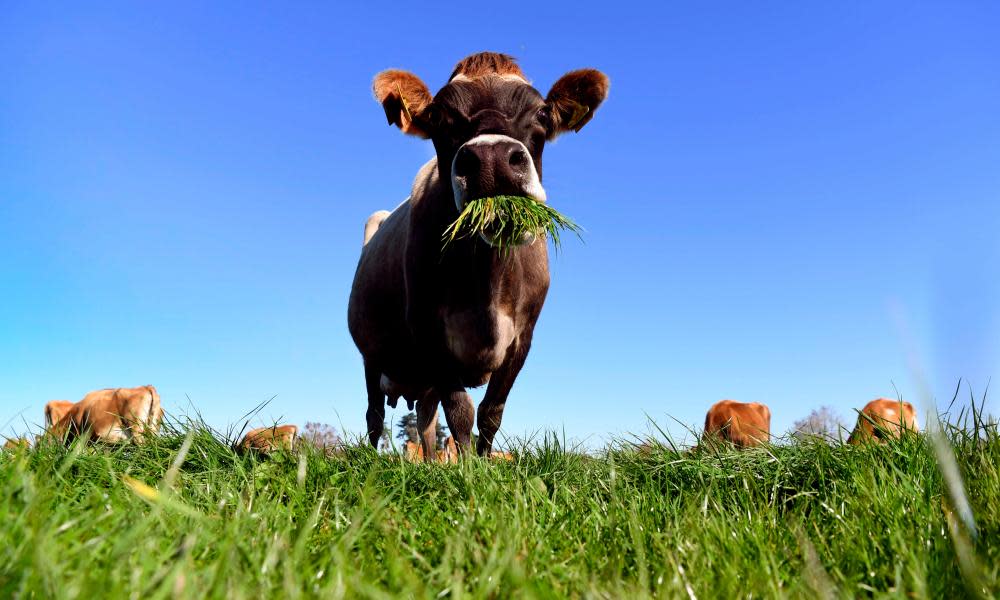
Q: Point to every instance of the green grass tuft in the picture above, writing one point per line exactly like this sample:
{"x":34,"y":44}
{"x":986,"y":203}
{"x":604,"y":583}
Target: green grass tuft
{"x":507,"y":220}
{"x":185,"y":517}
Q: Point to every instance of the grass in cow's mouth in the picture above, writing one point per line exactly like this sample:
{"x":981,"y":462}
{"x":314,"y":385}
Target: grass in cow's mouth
{"x":507,"y":220}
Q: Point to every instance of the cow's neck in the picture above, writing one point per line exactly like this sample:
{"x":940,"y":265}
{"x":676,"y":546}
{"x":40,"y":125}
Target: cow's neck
{"x":468,"y":266}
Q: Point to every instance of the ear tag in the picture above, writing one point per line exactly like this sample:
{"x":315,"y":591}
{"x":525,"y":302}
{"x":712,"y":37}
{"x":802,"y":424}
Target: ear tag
{"x":402,"y":102}
{"x":579,"y":112}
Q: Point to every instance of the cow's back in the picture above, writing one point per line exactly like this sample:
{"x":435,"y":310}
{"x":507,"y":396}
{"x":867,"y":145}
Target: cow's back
{"x":116,"y":414}
{"x":269,"y":439}
{"x":742,"y":424}
{"x":883,"y":418}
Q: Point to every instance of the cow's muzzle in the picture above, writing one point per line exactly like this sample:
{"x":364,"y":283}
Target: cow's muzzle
{"x":494,"y":165}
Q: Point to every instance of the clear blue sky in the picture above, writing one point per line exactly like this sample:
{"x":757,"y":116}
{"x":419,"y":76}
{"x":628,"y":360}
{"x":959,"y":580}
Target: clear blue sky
{"x":183,"y":190}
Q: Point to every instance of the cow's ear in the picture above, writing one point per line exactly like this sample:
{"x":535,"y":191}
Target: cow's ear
{"x":574,"y":98}
{"x":402,"y":96}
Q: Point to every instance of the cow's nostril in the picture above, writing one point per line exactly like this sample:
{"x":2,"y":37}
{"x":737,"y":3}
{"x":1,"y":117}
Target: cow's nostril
{"x":518,"y":159}
{"x":466,"y":162}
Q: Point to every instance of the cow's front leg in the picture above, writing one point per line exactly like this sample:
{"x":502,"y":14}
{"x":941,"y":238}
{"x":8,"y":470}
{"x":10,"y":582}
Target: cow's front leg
{"x":460,"y":414}
{"x":375,"y":416}
{"x":427,"y":418}
{"x":495,"y":399}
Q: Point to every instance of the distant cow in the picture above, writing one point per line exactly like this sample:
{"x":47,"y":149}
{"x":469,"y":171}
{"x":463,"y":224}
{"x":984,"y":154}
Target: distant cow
{"x":55,"y":411}
{"x":744,"y":424}
{"x":431,"y":323}
{"x":15,"y":443}
{"x":113,"y":415}
{"x":413,"y":451}
{"x":448,"y":454}
{"x":269,"y":439}
{"x":881,"y":419}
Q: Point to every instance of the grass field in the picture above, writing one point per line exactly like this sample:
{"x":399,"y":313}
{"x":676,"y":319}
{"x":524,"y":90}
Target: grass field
{"x":185,"y":517}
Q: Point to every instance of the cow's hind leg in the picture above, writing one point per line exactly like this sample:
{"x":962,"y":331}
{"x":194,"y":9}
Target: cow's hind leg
{"x":376,"y":404}
{"x":460,"y":414}
{"x":495,"y":399}
{"x":427,"y":418}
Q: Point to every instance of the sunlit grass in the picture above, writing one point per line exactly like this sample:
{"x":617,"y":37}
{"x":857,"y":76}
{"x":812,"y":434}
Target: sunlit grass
{"x":184,"y":516}
{"x":509,"y":220}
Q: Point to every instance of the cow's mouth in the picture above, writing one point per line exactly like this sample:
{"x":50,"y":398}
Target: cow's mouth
{"x":508,"y":221}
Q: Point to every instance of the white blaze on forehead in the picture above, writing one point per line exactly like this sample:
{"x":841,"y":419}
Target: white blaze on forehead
{"x":505,"y":77}
{"x":530,"y":184}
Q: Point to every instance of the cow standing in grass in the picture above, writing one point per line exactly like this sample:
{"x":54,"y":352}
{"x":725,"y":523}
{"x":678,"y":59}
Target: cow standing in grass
{"x":882,"y":419}
{"x":743,"y":424}
{"x":431,"y":323}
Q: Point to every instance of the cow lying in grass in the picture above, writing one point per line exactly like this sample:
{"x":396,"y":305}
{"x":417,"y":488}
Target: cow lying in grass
{"x":269,"y":439}
{"x":110,"y":415}
{"x":882,"y":419}
{"x":429,"y":322}
{"x":743,"y":424}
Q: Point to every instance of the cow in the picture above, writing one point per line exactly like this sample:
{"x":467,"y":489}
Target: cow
{"x":16,"y":443}
{"x":268,"y":439}
{"x":113,"y":415}
{"x":882,"y":419}
{"x":449,"y":453}
{"x":55,"y":410}
{"x":743,"y":424}
{"x":413,"y":451}
{"x":431,"y":323}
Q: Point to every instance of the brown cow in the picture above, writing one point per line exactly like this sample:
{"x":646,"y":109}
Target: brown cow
{"x":413,"y":451}
{"x":430,"y":323}
{"x":269,"y":439}
{"x":744,"y":424}
{"x":55,"y":411}
{"x":16,"y":443}
{"x":448,"y":454}
{"x":881,"y":419}
{"x":113,"y":415}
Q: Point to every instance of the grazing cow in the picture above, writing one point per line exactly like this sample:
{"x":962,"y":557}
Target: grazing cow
{"x":431,"y":323}
{"x":744,"y":424}
{"x":413,"y":452}
{"x":55,"y":411}
{"x":113,"y":415}
{"x":448,"y":454}
{"x":881,"y":419}
{"x":268,"y":439}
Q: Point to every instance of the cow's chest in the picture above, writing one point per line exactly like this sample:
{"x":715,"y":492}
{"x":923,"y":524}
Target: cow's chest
{"x":478,"y":338}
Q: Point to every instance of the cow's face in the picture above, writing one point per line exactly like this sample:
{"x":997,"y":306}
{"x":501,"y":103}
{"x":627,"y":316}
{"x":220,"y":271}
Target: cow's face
{"x":488,"y":124}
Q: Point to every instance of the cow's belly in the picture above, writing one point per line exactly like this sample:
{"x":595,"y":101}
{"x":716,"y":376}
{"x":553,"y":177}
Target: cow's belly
{"x":478,"y":340}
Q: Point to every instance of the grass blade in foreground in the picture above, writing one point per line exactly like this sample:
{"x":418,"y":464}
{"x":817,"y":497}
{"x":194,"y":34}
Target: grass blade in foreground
{"x":507,"y":220}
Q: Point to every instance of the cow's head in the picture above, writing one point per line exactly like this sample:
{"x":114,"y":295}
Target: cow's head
{"x":488,"y":124}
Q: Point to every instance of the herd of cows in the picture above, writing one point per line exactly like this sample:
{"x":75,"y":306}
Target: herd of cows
{"x":748,"y":424}
{"x":432,"y":321}
{"x":116,"y":415}
{"x":134,"y":414}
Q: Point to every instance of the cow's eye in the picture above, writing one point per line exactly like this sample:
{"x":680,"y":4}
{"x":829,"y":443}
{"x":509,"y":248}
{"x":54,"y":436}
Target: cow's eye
{"x":432,"y":116}
{"x":542,"y":116}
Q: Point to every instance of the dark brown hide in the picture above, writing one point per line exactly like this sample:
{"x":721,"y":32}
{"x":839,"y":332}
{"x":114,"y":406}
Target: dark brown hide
{"x":430,"y":323}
